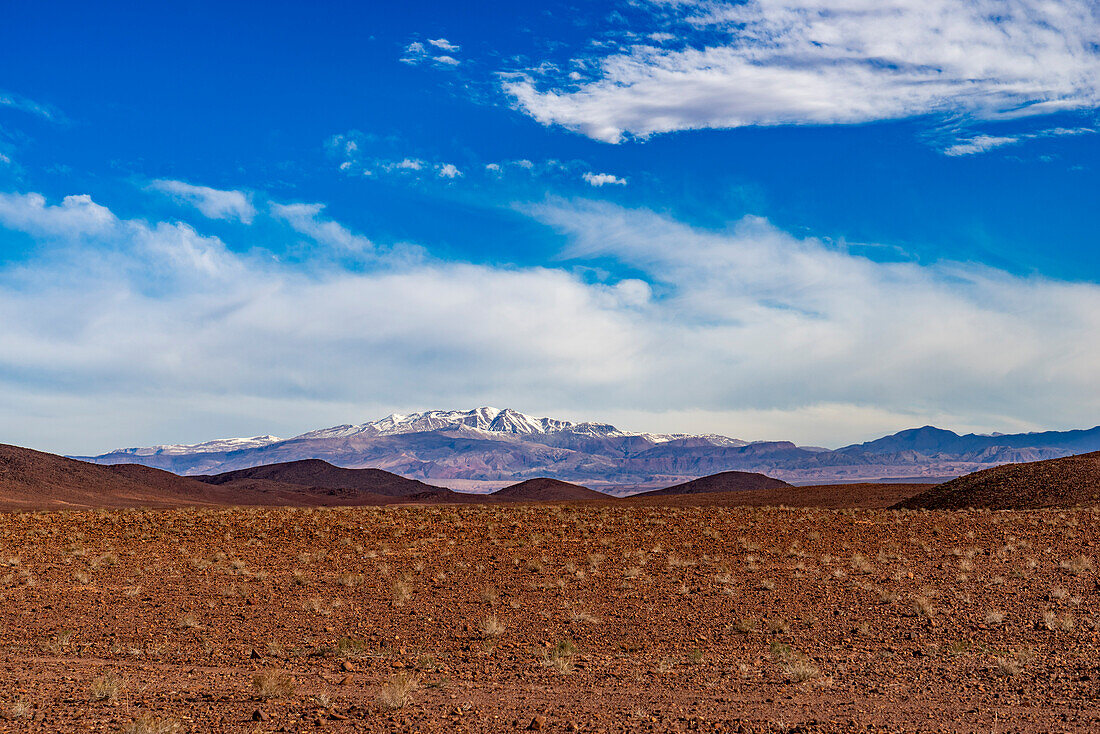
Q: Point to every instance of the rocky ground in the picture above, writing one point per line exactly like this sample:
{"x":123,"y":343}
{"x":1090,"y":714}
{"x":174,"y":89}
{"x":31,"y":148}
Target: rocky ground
{"x":589,"y":617}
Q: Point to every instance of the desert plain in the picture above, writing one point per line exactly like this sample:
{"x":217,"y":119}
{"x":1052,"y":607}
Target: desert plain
{"x":585,"y":616}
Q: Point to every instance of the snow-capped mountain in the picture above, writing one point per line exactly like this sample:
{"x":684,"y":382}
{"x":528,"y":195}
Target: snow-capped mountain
{"x":490,"y":420}
{"x":487,"y":419}
{"x":479,"y":447}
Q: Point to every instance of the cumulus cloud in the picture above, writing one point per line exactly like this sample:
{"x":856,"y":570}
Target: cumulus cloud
{"x":774,"y":62}
{"x":449,"y":170}
{"x":213,"y":203}
{"x":75,"y":216}
{"x":748,"y":331}
{"x":602,"y":179}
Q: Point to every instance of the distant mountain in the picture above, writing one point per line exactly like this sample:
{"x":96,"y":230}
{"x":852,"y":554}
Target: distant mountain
{"x":933,"y":441}
{"x":485,"y":448}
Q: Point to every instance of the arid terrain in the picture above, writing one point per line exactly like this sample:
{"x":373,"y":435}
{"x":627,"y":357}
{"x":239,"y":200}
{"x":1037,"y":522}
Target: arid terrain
{"x":595,"y":616}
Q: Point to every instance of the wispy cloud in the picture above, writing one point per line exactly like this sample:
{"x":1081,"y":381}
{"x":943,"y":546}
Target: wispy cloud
{"x":213,"y":203}
{"x":775,"y":62}
{"x":17,"y":102}
{"x":979,"y":144}
{"x":306,"y":219}
{"x":774,"y":330}
{"x":985,"y":143}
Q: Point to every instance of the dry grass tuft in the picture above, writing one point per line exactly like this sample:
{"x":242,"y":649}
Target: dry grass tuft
{"x":397,"y":691}
{"x":491,"y":627}
{"x":149,"y":724}
{"x":106,"y":687}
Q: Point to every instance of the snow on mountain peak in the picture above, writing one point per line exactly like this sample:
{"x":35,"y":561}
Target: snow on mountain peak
{"x":207,"y":447}
{"x":493,"y":420}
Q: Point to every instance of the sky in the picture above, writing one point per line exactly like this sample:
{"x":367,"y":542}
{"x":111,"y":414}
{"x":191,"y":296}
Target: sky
{"x":812,"y":220}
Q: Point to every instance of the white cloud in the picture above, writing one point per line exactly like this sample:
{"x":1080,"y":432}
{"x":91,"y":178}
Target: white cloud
{"x":449,"y":170}
{"x":444,"y":44}
{"x":409,"y":164}
{"x":213,"y":203}
{"x":749,"y":332}
{"x":602,"y":179}
{"x":446,"y":60}
{"x":774,"y":62}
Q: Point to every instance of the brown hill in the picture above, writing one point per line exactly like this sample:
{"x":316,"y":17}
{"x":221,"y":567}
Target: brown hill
{"x":347,"y":483}
{"x":1067,"y":482}
{"x":36,"y":480}
{"x":727,"y":481}
{"x":33,"y":480}
{"x":544,"y":489}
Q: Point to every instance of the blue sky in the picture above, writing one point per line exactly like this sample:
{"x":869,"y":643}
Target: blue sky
{"x":809,"y":219}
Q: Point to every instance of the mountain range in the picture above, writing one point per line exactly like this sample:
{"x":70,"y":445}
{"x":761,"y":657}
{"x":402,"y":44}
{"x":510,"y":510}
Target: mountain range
{"x":487,"y":448}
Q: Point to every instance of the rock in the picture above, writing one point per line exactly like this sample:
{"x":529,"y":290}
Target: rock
{"x":261,"y":715}
{"x":537,"y":723}
{"x":347,"y":667}
{"x":255,"y":655}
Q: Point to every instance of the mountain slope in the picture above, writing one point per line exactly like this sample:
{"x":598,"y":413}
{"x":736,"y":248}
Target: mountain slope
{"x":1064,"y":482}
